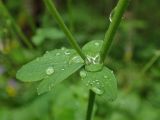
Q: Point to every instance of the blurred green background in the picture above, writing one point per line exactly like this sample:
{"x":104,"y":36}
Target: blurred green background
{"x":134,"y":57}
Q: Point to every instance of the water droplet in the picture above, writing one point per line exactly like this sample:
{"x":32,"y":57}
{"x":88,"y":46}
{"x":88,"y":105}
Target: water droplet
{"x":96,"y":44}
{"x":110,"y":17}
{"x":49,"y":70}
{"x":105,"y":76}
{"x":98,"y":83}
{"x":97,"y":80}
{"x":63,"y":48}
{"x":93,"y":59}
{"x":83,"y":74}
{"x":62,"y":69}
{"x":67,"y":53}
{"x":57,"y":54}
{"x":91,"y":83}
{"x":97,"y":90}
{"x":76,"y":59}
{"x":111,"y":14}
{"x":37,"y":91}
{"x":46,"y":52}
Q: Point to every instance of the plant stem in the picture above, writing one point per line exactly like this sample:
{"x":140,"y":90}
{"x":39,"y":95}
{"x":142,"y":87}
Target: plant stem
{"x":16,"y":27}
{"x":71,"y":23}
{"x":118,"y":13}
{"x":150,"y":63}
{"x":52,"y":9}
{"x":90,"y":105}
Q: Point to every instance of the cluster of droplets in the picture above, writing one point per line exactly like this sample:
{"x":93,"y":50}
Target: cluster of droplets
{"x":73,"y":59}
{"x":107,"y":79}
{"x":95,"y":85}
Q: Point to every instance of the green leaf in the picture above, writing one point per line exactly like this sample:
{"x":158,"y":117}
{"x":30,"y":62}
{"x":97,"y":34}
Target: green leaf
{"x":92,"y":52}
{"x":53,"y":67}
{"x":101,"y":82}
{"x":93,"y":47}
{"x":57,"y":77}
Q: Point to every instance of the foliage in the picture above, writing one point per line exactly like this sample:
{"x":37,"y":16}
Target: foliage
{"x":133,"y":58}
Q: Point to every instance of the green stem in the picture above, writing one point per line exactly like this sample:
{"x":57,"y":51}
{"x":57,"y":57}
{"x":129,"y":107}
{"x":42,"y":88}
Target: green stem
{"x":150,"y":63}
{"x":71,"y":23}
{"x":118,"y":13}
{"x":90,"y":105}
{"x":16,"y":27}
{"x":52,"y":9}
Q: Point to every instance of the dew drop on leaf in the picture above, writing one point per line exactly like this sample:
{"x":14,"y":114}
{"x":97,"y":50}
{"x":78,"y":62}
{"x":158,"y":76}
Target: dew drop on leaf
{"x":76,"y":59}
{"x":67,"y":53}
{"x":47,"y":52}
{"x":96,"y":44}
{"x":83,"y":74}
{"x":91,"y":83}
{"x":62,"y":69}
{"x":105,"y":77}
{"x":57,"y":54}
{"x":93,"y":63}
{"x":97,"y":90}
{"x":49,"y":70}
{"x":87,"y":84}
{"x":38,"y":92}
{"x":98,"y":83}
{"x":63,"y":48}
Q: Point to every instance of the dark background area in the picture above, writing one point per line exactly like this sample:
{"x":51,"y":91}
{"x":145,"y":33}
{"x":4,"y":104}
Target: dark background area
{"x":134,"y":57}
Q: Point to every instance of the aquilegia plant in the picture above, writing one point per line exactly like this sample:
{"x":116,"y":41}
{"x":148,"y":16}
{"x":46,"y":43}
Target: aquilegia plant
{"x":57,"y":65}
